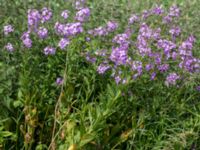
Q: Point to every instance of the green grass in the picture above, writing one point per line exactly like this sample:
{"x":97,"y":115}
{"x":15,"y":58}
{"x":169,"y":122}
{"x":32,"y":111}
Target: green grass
{"x":92,"y":112}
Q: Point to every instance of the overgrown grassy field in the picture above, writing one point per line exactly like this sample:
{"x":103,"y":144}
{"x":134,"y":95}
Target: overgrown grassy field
{"x":88,"y":110}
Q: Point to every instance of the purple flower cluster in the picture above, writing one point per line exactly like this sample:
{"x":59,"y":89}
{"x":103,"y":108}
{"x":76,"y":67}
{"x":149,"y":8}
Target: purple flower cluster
{"x":167,"y":46}
{"x":174,"y":12}
{"x":119,"y":54}
{"x":111,"y":26}
{"x":46,"y":15}
{"x":35,"y":17}
{"x":134,"y":18}
{"x":149,"y":66}
{"x":63,"y":43}
{"x":102,"y":68}
{"x":69,"y":29}
{"x":42,"y":33}
{"x":146,"y":14}
{"x":158,"y":10}
{"x":49,"y":50}
{"x":26,"y":39}
{"x":171,"y":79}
{"x":99,"y":31}
{"x":79,"y":4}
{"x":65,"y":14}
{"x":8,"y":29}
{"x":137,"y":67}
{"x":163,"y":67}
{"x":151,"y":53}
{"x":188,"y":61}
{"x":9,"y":47}
{"x":175,"y":31}
{"x":144,"y":35}
{"x":144,"y":51}
{"x":83,"y":14}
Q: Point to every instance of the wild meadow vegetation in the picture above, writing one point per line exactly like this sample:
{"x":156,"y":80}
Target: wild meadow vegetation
{"x":100,"y":75}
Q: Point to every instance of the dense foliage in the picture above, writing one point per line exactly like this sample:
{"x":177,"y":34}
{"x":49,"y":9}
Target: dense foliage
{"x":99,"y":75}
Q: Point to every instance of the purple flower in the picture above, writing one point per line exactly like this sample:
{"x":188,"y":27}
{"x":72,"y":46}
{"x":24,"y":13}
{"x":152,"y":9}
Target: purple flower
{"x":128,"y":31}
{"x":171,"y":79}
{"x":174,"y":11}
{"x":148,"y":67}
{"x":99,"y":31}
{"x":8,"y":29}
{"x":65,"y":14}
{"x":167,"y":19}
{"x":146,"y":14}
{"x":83,"y":14}
{"x":9,"y":47}
{"x":175,"y":31}
{"x":49,"y":50}
{"x":26,"y":39}
{"x":87,"y":39}
{"x":157,"y":59}
{"x":103,"y":31}
{"x":158,"y":10}
{"x":174,"y":55}
{"x":34,"y":18}
{"x":145,"y":33}
{"x":102,"y":68}
{"x":153,"y":75}
{"x":111,"y":26}
{"x":185,"y":49}
{"x":163,"y":67}
{"x":46,"y":14}
{"x":190,"y":64}
{"x":137,"y":66}
{"x":134,"y":18}
{"x":167,"y":46}
{"x":59,"y":28}
{"x":42,"y":32}
{"x":156,"y":34}
{"x":69,"y":29}
{"x":119,"y":55}
{"x":74,"y":29}
{"x":25,"y":35}
{"x":191,"y":39}
{"x":121,"y":39}
{"x":79,"y":4}
{"x":27,"y":42}
{"x":63,"y":43}
{"x":117,"y":79}
{"x":59,"y":81}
